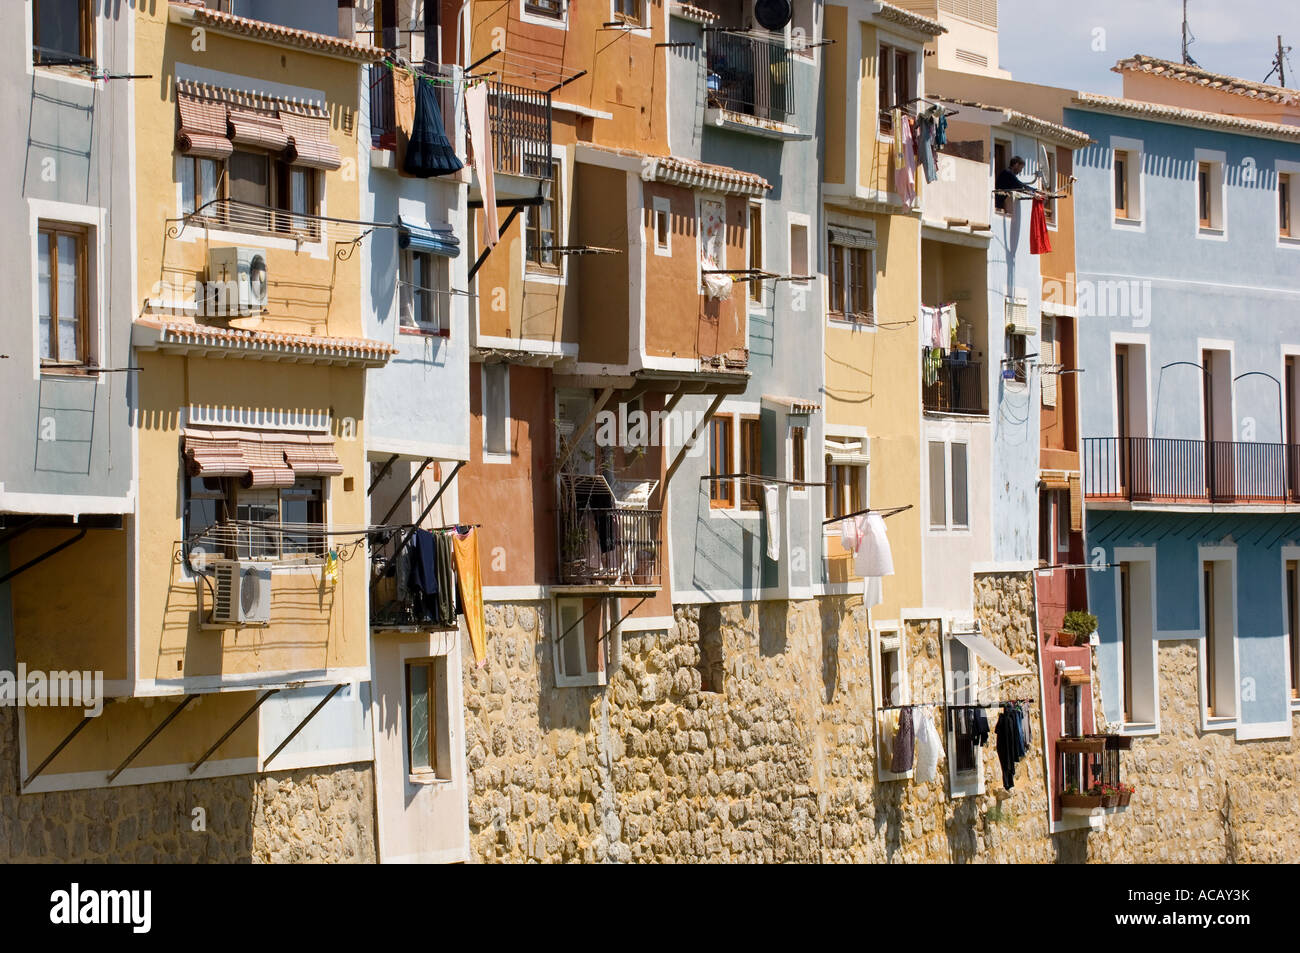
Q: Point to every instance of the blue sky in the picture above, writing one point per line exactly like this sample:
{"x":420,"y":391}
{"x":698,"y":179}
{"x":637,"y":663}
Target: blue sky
{"x":1052,"y":41}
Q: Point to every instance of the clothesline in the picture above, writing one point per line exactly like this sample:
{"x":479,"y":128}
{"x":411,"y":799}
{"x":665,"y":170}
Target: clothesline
{"x":884,"y":514}
{"x":910,"y":106}
{"x":963,"y":707}
{"x":759,"y":478}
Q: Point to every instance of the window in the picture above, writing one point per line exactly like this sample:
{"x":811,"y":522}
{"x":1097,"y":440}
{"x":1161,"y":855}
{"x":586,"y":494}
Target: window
{"x":63,"y":32}
{"x":961,"y":691}
{"x":755,"y":250}
{"x":551,"y":9}
{"x":894,"y":84}
{"x":960,"y":514}
{"x":580,"y":639}
{"x":1122,"y":208}
{"x":250,"y":178}
{"x":798,"y":454}
{"x":496,"y":412}
{"x":425,"y":685}
{"x":1293,"y":621}
{"x":542,"y":228}
{"x":423,"y":292}
{"x":890,"y":689}
{"x":1050,"y":184}
{"x":938,"y":486}
{"x":798,"y":249}
{"x":843,"y":489}
{"x":1218,"y":621}
{"x":663,"y":226}
{"x":300,"y":507}
{"x":889,"y":673}
{"x":625,"y":11}
{"x":1284,"y":204}
{"x":722,"y":493}
{"x":1209,"y":191}
{"x":1001,"y":159}
{"x":1048,"y":362}
{"x":751,"y":461}
{"x":1135,"y":625}
{"x":1061,"y":504}
{"x":63,"y":295}
{"x":1018,"y":356}
{"x":199,"y":182}
{"x":851,"y":271}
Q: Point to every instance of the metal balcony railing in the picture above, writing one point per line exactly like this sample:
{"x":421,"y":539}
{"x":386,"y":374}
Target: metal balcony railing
{"x":1174,"y":470}
{"x":520,"y":123}
{"x":610,"y":546}
{"x":383,"y":123}
{"x":751,"y":76}
{"x":951,"y":382}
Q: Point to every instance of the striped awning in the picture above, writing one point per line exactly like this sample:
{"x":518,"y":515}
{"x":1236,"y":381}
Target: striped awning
{"x":202,"y":130}
{"x":269,"y":458}
{"x":257,"y":128}
{"x":309,"y":142}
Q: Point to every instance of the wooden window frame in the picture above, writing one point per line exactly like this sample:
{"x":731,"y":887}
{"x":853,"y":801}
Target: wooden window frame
{"x":1205,"y":194}
{"x":195,"y":165}
{"x":636,"y":18}
{"x":1284,"y":205}
{"x":534,"y":233}
{"x":893,"y":67}
{"x":430,"y":665}
{"x":230,"y":495}
{"x":844,"y":489}
{"x":755,"y":236}
{"x":86,"y":14}
{"x":722,"y":437}
{"x":1050,"y":180}
{"x":279,"y":196}
{"x":1002,"y":155}
{"x":1291,"y":578}
{"x":750,"y":435}
{"x":592,"y":659}
{"x":83,"y":235}
{"x":798,"y":453}
{"x":851,"y":284}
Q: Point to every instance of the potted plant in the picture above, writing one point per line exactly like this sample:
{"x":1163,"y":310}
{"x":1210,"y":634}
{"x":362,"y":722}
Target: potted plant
{"x":1126,"y":794}
{"x":1073,"y":797}
{"x":1077,"y":627}
{"x":1109,"y":795}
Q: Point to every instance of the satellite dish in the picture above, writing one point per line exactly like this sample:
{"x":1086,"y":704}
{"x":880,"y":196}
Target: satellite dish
{"x":772,"y":14}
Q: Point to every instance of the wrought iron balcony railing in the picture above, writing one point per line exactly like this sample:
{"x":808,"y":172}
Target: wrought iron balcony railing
{"x":1174,"y":470}
{"x":751,"y":76}
{"x":610,"y":546}
{"x":951,"y":382}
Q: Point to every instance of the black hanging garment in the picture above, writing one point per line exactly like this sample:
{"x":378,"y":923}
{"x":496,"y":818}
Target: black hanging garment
{"x":904,"y":743}
{"x":429,"y":152}
{"x":1010,"y":745}
{"x":446,"y":614}
{"x":979,"y":727}
{"x":424,"y":575}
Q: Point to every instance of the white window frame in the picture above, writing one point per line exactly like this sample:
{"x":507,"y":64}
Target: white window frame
{"x":1289,"y":554}
{"x":488,"y":455}
{"x":845,"y":433}
{"x":761,"y":205}
{"x":1283,"y":167}
{"x":1217,"y":230}
{"x":1218,"y":555}
{"x":439,"y":294}
{"x":800,"y":220}
{"x":440,"y":691}
{"x":888,"y":635}
{"x":948,"y":526}
{"x":1146,"y":688}
{"x":608,"y":609}
{"x":94,"y":219}
{"x":661,"y":205}
{"x":558,"y":23}
{"x":869,"y":324}
{"x":738,"y":412}
{"x":965,"y":784}
{"x":1136,"y":199}
{"x":805,"y":423}
{"x":559,"y":192}
{"x":641,"y":28}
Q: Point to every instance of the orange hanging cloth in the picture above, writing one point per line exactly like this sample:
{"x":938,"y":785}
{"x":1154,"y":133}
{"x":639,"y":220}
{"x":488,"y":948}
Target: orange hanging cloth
{"x":1039,"y":241}
{"x":470,"y":581}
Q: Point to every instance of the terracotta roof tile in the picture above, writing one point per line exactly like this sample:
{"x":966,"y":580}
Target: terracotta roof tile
{"x":1196,"y":76}
{"x":1192,"y":117}
{"x":261,"y":345}
{"x":273,"y":32}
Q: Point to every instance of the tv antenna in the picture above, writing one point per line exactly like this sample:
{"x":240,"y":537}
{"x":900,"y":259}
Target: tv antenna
{"x":1279,"y":63}
{"x":1188,"y":39}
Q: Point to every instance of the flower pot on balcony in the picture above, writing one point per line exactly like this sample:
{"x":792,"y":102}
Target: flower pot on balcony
{"x":1124,"y":798}
{"x":1065,"y":639}
{"x":1110,"y":800}
{"x":1086,"y":801}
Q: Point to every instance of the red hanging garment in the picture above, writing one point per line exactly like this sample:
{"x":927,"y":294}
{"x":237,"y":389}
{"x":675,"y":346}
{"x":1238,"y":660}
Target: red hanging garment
{"x":1039,"y":241}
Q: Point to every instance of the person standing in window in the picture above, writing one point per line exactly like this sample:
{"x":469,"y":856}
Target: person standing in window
{"x":1008,"y":180}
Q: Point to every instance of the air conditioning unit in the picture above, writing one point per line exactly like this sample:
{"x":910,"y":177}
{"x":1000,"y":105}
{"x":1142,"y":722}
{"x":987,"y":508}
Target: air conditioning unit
{"x":237,"y":282}
{"x":243,"y":592}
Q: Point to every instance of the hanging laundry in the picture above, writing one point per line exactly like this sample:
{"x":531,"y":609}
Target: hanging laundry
{"x":873,"y":592}
{"x":424,"y":575}
{"x":471,"y":590}
{"x":403,"y":100}
{"x":446,"y":576}
{"x":905,"y":173}
{"x":887,"y":722}
{"x":874,"y":557}
{"x":1010,"y":744}
{"x":933,"y":364}
{"x":429,"y":152}
{"x":1040,"y":242}
{"x":930,"y":326}
{"x":772,"y":509}
{"x":979,"y":728}
{"x":948,"y":326}
{"x":904,"y":743}
{"x":331,"y":573}
{"x":717,"y":287}
{"x":476,"y":114}
{"x":929,"y":748}
{"x":925,"y":140}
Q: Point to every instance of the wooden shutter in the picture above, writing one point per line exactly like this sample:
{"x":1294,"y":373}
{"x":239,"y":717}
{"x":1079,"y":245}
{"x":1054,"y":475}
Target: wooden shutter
{"x":1047,"y":362}
{"x":1076,"y":503}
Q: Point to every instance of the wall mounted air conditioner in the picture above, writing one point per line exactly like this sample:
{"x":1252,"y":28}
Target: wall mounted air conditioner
{"x":242,"y":592}
{"x":237,"y":282}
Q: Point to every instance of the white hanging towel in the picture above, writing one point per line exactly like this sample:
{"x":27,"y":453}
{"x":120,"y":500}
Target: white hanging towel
{"x":772,"y":507}
{"x":873,"y":592}
{"x":928,"y":747}
{"x":718,"y":287}
{"x":874,"y":556}
{"x":476,"y":112}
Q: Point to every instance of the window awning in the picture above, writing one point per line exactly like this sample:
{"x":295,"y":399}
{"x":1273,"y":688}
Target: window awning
{"x":257,"y":128}
{"x":420,"y":236}
{"x":851,"y":237}
{"x":214,"y":121}
{"x":796,"y":406}
{"x":202,"y":129}
{"x":990,"y":653}
{"x":271,"y":458}
{"x":849,"y":453}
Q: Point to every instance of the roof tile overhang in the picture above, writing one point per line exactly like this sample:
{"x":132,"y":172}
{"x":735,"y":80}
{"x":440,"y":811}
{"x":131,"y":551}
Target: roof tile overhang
{"x":1187,"y":117}
{"x":183,"y":337}
{"x":189,"y":14}
{"x":1196,"y":76}
{"x":1039,"y":128}
{"x":913,"y":21}
{"x":688,"y":173}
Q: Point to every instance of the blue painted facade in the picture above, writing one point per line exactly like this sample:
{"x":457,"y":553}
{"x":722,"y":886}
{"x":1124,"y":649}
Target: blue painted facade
{"x":1233,"y":287}
{"x":717,"y":556}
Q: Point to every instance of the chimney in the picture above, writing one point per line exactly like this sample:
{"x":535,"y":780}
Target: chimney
{"x":347,"y":20}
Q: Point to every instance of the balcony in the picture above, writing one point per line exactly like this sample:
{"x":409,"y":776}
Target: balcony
{"x":398,"y":600}
{"x":1087,"y":776}
{"x":603,"y":545}
{"x":951,"y":382}
{"x":750,"y":85}
{"x":383,"y":124}
{"x":1172,"y":470}
{"x":959,"y":199}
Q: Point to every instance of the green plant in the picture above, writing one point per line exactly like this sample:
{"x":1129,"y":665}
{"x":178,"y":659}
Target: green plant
{"x":1079,"y":624}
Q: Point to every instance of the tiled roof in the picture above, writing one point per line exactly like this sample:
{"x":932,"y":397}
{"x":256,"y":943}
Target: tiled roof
{"x":693,"y":174}
{"x":913,"y":21}
{"x":181,"y":11}
{"x":260,"y":345}
{"x":1190,"y":117}
{"x":1041,"y":128}
{"x":693,"y":13}
{"x":1196,"y":76}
